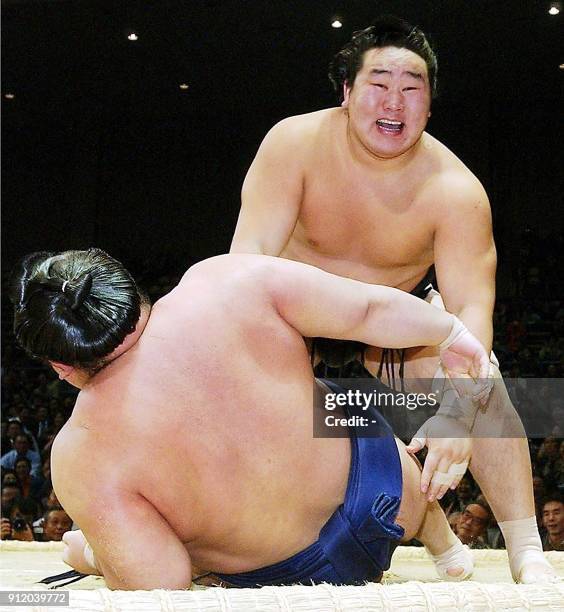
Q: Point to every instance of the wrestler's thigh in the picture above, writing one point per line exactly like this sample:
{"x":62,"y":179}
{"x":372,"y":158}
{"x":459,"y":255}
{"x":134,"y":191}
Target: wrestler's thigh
{"x":413,"y":503}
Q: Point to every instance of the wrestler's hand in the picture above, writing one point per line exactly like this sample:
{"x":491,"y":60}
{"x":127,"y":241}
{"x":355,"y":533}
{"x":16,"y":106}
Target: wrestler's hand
{"x":73,"y":553}
{"x":449,"y":448}
{"x":466,"y":363}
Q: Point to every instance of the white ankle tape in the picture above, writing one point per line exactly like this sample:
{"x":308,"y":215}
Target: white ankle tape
{"x":456,"y":556}
{"x":523,"y":544}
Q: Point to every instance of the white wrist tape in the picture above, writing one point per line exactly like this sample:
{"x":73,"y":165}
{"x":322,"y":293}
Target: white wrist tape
{"x":90,"y":558}
{"x":458,"y":329}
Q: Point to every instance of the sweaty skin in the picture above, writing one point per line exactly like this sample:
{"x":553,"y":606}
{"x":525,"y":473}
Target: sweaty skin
{"x":181,"y":454}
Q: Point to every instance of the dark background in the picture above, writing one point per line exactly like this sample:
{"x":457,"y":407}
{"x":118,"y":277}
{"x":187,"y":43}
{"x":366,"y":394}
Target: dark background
{"x":100,"y":147}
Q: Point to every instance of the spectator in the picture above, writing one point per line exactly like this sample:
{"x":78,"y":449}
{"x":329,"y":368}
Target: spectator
{"x":18,"y":529}
{"x":46,"y":484}
{"x":472,"y":525}
{"x":5,"y":441}
{"x":50,"y":433}
{"x":30,"y":485}
{"x":56,"y":523}
{"x":547,"y":457}
{"x":9,"y":478}
{"x":13,"y":430}
{"x":539,"y":492}
{"x":493,"y":536}
{"x":5,"y":529}
{"x":42,"y":418}
{"x":49,"y":503}
{"x":9,"y":494}
{"x":553,"y":522}
{"x":21,"y":449}
{"x":27,"y":510}
{"x":458,"y":500}
{"x":453,"y":519}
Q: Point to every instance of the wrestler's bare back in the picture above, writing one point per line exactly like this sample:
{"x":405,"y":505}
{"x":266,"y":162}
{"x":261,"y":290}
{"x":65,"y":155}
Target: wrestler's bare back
{"x":205,"y":418}
{"x":374,"y":226}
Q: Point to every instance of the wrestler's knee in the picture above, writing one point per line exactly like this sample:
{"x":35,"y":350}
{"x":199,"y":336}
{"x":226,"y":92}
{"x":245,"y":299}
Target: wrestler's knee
{"x":498,"y":416}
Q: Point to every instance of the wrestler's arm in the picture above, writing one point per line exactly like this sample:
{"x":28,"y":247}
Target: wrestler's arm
{"x":133,"y":546}
{"x":271,"y":194}
{"x":465,"y":255}
{"x":317,"y":303}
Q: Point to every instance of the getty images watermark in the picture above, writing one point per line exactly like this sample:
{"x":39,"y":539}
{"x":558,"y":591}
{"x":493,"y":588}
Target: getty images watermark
{"x":517,"y":407}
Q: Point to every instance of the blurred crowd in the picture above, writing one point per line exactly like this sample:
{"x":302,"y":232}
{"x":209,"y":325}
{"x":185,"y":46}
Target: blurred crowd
{"x":529,"y":342}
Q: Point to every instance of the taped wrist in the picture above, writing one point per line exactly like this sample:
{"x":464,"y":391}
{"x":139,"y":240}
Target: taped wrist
{"x":458,"y":329}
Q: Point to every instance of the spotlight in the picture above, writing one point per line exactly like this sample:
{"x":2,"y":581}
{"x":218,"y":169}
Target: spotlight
{"x":554,"y":8}
{"x":9,"y":96}
{"x":183,"y":86}
{"x":132,"y":36}
{"x":336,"y":23}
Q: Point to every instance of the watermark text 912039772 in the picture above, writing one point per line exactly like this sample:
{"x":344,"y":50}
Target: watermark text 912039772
{"x":34,"y":598}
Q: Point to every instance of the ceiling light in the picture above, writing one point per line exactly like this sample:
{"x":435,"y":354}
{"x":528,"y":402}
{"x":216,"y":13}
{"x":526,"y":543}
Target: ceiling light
{"x":561,"y":66}
{"x":336,"y":23}
{"x":132,"y":36}
{"x":183,"y":86}
{"x":9,"y":96}
{"x":554,"y":8}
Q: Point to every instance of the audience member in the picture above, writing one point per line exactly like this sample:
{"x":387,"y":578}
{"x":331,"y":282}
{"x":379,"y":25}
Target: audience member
{"x":553,"y":522}
{"x":30,"y":485}
{"x":56,"y":523}
{"x":472,"y":525}
{"x":22,"y":449}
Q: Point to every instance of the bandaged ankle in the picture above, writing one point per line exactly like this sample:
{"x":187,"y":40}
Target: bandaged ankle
{"x":457,"y":556}
{"x":523,"y":544}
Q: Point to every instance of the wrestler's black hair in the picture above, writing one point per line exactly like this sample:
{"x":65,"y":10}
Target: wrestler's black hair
{"x":386,"y":31}
{"x":73,"y":307}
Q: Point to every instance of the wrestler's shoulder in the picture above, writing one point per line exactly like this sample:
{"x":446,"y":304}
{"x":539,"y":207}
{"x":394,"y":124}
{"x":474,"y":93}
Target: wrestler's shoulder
{"x":231,"y":279}
{"x":297,"y":127}
{"x":448,"y":178}
{"x":228,"y":270}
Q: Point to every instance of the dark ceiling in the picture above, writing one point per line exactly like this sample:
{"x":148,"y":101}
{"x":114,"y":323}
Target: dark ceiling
{"x":66,"y":54}
{"x":99,"y":130}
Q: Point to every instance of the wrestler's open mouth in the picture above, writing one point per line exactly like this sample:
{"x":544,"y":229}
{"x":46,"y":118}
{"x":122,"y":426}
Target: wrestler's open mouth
{"x":389,"y":126}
